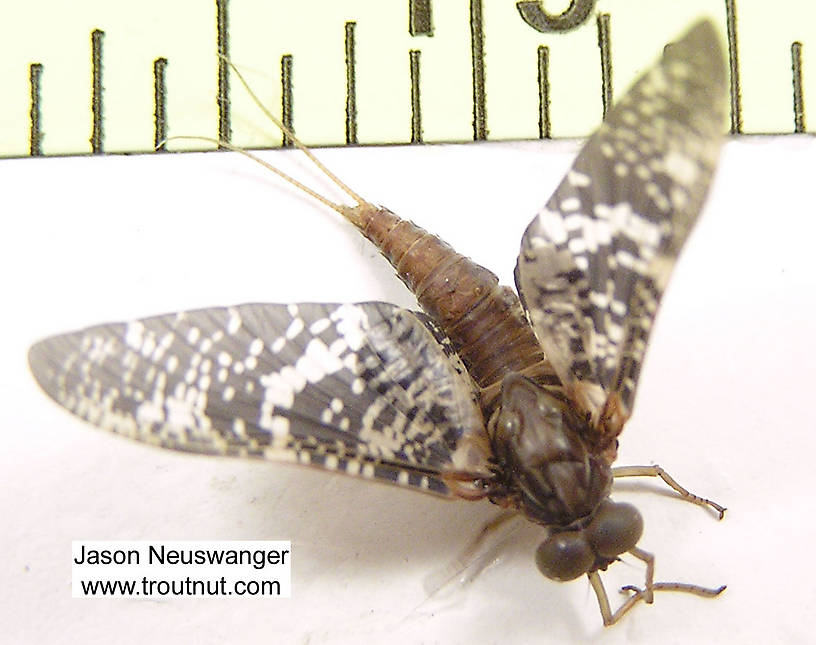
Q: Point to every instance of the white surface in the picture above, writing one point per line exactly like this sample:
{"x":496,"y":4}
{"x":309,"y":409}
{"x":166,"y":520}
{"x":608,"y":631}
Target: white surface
{"x":724,"y":403}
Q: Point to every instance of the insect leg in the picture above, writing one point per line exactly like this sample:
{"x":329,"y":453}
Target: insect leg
{"x":650,"y":586}
{"x":657,"y":471}
{"x":609,"y":618}
{"x":646,"y":594}
{"x":477,"y":555}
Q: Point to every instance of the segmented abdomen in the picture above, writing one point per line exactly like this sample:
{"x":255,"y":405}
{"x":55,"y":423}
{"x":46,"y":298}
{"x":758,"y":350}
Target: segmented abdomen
{"x":483,"y":320}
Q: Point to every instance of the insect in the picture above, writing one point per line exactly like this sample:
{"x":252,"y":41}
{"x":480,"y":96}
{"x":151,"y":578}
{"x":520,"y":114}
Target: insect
{"x":518,"y":399}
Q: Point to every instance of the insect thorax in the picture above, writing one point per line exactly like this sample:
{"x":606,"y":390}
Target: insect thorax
{"x":548,"y":471}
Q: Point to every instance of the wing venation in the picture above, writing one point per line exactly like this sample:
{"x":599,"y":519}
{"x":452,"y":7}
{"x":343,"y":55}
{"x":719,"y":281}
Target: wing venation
{"x":595,"y":261}
{"x":368,"y":389}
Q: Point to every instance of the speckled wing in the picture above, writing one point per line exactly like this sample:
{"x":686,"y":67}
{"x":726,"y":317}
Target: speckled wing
{"x":595,"y":261}
{"x":365,"y":389}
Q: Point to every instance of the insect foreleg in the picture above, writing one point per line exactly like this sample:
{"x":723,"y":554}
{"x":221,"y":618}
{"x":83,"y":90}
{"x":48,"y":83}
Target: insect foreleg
{"x":657,"y":471}
{"x":647,"y":593}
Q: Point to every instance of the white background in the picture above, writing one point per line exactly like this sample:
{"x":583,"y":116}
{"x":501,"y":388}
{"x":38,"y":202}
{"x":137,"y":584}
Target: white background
{"x":724,"y":403}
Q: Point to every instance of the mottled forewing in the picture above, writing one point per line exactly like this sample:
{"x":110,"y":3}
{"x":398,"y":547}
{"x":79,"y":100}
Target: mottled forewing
{"x":595,"y":262}
{"x":366,"y":389}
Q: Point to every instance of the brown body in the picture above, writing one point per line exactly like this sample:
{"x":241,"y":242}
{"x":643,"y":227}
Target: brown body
{"x":552,"y":471}
{"x":465,"y":299}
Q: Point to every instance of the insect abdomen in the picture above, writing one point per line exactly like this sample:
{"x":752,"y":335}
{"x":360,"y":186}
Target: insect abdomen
{"x":478,"y":315}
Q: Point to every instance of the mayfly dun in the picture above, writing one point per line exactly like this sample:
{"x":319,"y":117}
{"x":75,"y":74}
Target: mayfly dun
{"x":517,"y":397}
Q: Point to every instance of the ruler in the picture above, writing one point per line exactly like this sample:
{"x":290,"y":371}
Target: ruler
{"x":100,"y":77}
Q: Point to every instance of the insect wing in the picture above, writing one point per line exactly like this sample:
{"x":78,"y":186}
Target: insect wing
{"x":595,"y":261}
{"x":366,"y":389}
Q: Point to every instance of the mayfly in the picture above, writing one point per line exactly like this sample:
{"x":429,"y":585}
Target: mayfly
{"x":518,"y":399}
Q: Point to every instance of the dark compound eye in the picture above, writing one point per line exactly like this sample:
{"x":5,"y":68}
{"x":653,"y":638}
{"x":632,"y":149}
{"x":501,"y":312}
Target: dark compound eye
{"x":615,"y":529}
{"x":564,"y":556}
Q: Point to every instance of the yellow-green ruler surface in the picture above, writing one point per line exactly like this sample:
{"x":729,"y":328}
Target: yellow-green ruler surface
{"x":101,"y":76}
